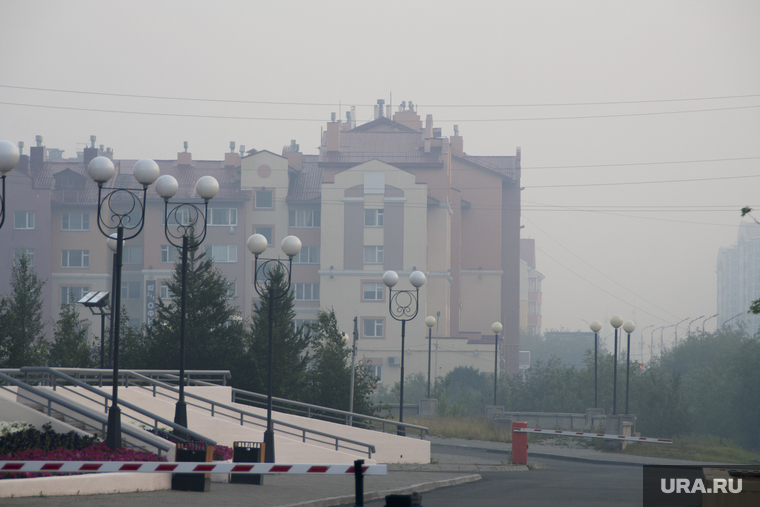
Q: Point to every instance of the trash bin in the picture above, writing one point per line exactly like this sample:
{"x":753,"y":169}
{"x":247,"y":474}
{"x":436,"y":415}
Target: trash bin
{"x":193,"y":482}
{"x":247,"y":452}
{"x":413,"y":500}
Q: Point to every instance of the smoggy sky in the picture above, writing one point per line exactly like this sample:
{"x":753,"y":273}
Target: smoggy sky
{"x":639,"y":122}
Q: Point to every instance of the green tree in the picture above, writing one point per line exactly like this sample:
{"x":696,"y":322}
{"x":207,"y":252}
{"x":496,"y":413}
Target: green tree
{"x":21,"y":328}
{"x":134,"y":353}
{"x":289,"y":352}
{"x":70,"y":347}
{"x":213,"y":334}
{"x":329,"y":374}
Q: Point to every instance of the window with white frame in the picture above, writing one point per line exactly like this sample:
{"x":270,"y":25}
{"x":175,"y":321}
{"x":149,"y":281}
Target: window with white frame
{"x":372,"y":291}
{"x":303,"y":322}
{"x":165,"y":292}
{"x":179,"y":217}
{"x":75,"y":258}
{"x":130,"y":290}
{"x":20,"y":252}
{"x":304,"y":218}
{"x":372,"y":328}
{"x":169,"y":254}
{"x":532,"y":309}
{"x":231,"y":290}
{"x":267,"y":232}
{"x":375,"y":370}
{"x":306,"y":291}
{"x":23,"y":220}
{"x":264,"y":199}
{"x":222,"y":253}
{"x":222,"y":216}
{"x":70,"y":294}
{"x":131,"y":254}
{"x":373,"y":218}
{"x":373,"y":255}
{"x":75,"y":221}
{"x":307,"y":255}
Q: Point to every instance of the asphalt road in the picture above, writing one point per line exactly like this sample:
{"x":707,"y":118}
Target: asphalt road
{"x":554,"y":482}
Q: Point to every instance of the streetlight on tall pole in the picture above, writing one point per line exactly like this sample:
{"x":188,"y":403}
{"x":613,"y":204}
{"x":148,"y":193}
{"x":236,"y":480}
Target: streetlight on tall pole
{"x":496,"y":327}
{"x":708,"y":318}
{"x":628,"y":327}
{"x":183,"y":223}
{"x":116,"y":208}
{"x":429,"y":322}
{"x":662,"y":331}
{"x":353,"y":369}
{"x":616,"y":322}
{"x":595,"y":326}
{"x":675,"y":341}
{"x":688,"y":331}
{"x":9,"y":157}
{"x":641,"y":342}
{"x":403,"y":306}
{"x":262,"y":282}
{"x":651,"y":342}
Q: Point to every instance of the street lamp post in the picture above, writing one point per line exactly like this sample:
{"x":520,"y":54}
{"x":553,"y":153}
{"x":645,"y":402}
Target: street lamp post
{"x":688,"y":332}
{"x":628,"y":327}
{"x":616,"y":322}
{"x":430,"y":322}
{"x":257,"y":244}
{"x":641,"y":342}
{"x":595,"y":326}
{"x":732,"y":318}
{"x":675,"y":343}
{"x":353,"y":369}
{"x":708,"y":318}
{"x":403,"y":306}
{"x":9,"y":157}
{"x":496,"y":327}
{"x":662,"y":341}
{"x":115,"y":212}
{"x":185,"y":221}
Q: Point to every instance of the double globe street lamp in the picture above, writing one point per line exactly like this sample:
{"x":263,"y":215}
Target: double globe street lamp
{"x":183,"y":223}
{"x":121,"y":210}
{"x":9,"y":157}
{"x":616,"y":322}
{"x":403,"y":306}
{"x":265,"y":288}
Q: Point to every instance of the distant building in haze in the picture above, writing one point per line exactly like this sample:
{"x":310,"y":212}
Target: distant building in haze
{"x":738,"y":270}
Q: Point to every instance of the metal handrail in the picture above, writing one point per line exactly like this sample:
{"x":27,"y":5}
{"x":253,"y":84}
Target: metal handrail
{"x":57,"y":373}
{"x":77,"y":373}
{"x":304,"y":431}
{"x":103,"y":420}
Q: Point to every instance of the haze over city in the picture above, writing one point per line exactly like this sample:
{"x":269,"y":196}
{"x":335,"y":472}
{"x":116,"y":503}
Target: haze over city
{"x":638,"y":122}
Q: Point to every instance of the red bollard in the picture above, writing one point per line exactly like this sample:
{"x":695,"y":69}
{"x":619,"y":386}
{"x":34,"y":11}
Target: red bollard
{"x":519,"y":444}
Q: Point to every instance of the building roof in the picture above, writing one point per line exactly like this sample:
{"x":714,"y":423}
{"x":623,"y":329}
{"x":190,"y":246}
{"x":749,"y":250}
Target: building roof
{"x":306,"y":185}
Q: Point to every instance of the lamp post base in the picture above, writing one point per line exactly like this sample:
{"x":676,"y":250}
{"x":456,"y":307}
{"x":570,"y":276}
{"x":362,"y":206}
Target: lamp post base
{"x":269,"y":446}
{"x":400,"y":431}
{"x":180,"y":414}
{"x":113,"y":433}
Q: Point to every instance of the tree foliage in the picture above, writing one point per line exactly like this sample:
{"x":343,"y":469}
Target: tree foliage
{"x":21,"y":327}
{"x":70,"y":348}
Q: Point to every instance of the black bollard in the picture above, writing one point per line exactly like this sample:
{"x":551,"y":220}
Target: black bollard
{"x":359,"y":479}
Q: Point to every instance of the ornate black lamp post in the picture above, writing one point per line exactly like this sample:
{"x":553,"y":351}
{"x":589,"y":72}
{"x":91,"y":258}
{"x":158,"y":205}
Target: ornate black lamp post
{"x":183,"y":221}
{"x":496,"y":327}
{"x":595,"y":326}
{"x":9,"y":157}
{"x":616,"y":322}
{"x":403,"y":306}
{"x":628,"y":327}
{"x":122,"y":210}
{"x":429,"y":322}
{"x":257,"y":244}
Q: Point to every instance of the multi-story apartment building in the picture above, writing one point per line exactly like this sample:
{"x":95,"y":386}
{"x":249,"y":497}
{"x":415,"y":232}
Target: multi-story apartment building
{"x":530,"y":288}
{"x":738,"y":270}
{"x":389,"y":194}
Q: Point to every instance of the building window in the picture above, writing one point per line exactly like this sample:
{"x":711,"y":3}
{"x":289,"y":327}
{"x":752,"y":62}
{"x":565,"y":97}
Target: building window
{"x":75,"y":258}
{"x":373,"y":255}
{"x":19,"y":252}
{"x":68,"y":181}
{"x":222,"y":253}
{"x":532,"y":308}
{"x":179,"y":217}
{"x":304,"y":218}
{"x":264,"y":199}
{"x":222,"y":216}
{"x":130,"y":290}
{"x":131,"y":255}
{"x":304,"y":322}
{"x":372,"y":291}
{"x":306,"y":291}
{"x":375,"y":370}
{"x":169,"y":254}
{"x":532,"y":284}
{"x":23,"y":220}
{"x":72,"y":294}
{"x":307,"y":255}
{"x":165,"y":292}
{"x":75,"y":222}
{"x":267,"y":232}
{"x":372,"y":328}
{"x":373,"y":218}
{"x":231,"y":290}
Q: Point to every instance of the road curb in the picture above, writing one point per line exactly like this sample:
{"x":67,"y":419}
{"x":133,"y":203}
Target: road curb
{"x":455,"y":468}
{"x":375,"y":495}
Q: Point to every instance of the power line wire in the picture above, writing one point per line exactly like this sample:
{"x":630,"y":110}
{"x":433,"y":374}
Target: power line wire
{"x":633,"y":164}
{"x":641,"y":182}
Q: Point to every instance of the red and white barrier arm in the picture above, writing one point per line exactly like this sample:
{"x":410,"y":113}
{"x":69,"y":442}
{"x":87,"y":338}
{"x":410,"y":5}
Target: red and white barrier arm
{"x":185,"y":467}
{"x":593,"y":435}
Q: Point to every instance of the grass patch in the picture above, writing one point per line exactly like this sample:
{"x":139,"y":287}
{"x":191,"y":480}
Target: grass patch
{"x":469,"y":428}
{"x":696,"y":448}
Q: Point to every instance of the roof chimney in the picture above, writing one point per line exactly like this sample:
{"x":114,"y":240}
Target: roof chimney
{"x":242,"y":150}
{"x":184,"y":158}
{"x":21,"y":147}
{"x":232,"y":146}
{"x":332,"y":117}
{"x":380,"y":108}
{"x":456,"y":142}
{"x":185,"y":143}
{"x":92,"y":141}
{"x":37,"y":154}
{"x":333,"y":136}
{"x":294,"y":155}
{"x":91,"y":152}
{"x":39,"y":141}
